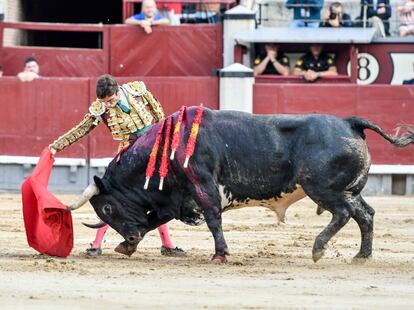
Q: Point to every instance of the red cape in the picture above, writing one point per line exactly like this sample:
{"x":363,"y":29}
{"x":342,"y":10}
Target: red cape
{"x":48,"y":225}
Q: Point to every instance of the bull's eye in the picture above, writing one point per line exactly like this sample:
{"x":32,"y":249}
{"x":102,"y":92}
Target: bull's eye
{"x":107,"y":209}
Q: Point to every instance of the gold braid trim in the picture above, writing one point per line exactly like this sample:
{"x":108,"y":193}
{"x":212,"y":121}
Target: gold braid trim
{"x":155,"y":106}
{"x":82,"y":129}
{"x":136,"y":88}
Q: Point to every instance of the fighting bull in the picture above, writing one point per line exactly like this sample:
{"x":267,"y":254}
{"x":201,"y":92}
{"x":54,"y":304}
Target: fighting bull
{"x":241,"y":157}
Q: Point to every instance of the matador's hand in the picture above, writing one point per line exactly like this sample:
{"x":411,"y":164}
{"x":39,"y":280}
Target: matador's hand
{"x":52,"y":151}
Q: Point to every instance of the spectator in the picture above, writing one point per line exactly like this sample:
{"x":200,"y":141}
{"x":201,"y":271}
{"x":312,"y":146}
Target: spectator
{"x":30,"y":71}
{"x":148,"y":17}
{"x":407,"y":18}
{"x":1,"y":70}
{"x":378,"y":13}
{"x":315,"y":64}
{"x":171,"y":10}
{"x":335,"y":17}
{"x":306,"y":13}
{"x":271,"y":62}
{"x":207,"y":13}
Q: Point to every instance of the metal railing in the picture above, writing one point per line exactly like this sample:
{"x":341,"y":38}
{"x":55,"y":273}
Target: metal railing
{"x":356,"y":21}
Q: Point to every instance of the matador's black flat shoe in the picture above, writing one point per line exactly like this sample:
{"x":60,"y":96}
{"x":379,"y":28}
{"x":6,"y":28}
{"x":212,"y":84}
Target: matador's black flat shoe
{"x":93,"y":252}
{"x":172,"y":251}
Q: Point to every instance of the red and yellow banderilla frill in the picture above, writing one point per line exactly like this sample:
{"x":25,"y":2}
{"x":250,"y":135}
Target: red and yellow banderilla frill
{"x":164,"y":159}
{"x":153,"y":156}
{"x":189,"y":150}
{"x":175,"y":144}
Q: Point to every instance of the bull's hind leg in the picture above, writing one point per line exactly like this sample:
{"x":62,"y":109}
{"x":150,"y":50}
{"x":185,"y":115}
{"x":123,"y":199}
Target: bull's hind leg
{"x":364,"y":216}
{"x":341,"y":213}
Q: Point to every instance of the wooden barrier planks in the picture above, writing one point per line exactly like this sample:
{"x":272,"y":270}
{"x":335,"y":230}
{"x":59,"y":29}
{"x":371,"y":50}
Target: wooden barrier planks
{"x":387,"y":105}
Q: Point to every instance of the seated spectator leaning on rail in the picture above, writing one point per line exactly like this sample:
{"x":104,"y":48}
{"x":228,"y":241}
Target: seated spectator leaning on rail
{"x":378,"y":13}
{"x":271,"y":62}
{"x":407,"y":18}
{"x":148,"y":17}
{"x":306,"y":13}
{"x":30,"y":71}
{"x":335,"y":17}
{"x":315,"y":64}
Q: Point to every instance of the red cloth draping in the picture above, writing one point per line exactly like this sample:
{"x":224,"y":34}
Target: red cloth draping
{"x":48,"y":225}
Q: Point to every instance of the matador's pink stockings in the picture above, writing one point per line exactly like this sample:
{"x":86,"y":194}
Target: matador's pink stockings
{"x":162,"y":230}
{"x":165,"y":236}
{"x":100,"y":233}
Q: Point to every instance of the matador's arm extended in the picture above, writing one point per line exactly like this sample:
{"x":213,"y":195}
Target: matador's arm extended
{"x":88,"y":123}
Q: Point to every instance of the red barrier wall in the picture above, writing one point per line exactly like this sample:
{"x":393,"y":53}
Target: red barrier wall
{"x":57,"y":62}
{"x":389,"y":106}
{"x":185,"y":50}
{"x":167,"y":51}
{"x":36,"y":113}
{"x":54,"y":61}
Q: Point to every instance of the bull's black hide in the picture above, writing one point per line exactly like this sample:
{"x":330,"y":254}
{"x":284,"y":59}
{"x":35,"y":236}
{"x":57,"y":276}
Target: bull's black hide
{"x":240,"y":156}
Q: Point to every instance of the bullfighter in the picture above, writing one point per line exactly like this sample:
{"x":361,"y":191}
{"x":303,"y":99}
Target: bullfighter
{"x":128,"y":111}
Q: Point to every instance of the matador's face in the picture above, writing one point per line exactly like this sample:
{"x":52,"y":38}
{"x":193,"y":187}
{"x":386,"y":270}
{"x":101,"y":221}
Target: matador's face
{"x":111,"y":101}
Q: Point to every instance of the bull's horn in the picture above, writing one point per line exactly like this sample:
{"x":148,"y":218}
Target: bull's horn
{"x":87,"y":194}
{"x":95,"y":226}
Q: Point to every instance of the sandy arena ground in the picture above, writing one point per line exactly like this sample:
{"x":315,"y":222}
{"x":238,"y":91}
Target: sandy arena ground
{"x":270,"y":265}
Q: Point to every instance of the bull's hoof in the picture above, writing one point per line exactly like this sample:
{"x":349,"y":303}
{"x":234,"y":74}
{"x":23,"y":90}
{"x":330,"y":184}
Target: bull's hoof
{"x":218,"y":259}
{"x":126,"y":248}
{"x":317,"y":255}
{"x":360,"y":259}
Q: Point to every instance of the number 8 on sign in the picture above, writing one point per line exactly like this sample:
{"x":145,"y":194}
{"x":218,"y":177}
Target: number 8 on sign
{"x":368,"y":69}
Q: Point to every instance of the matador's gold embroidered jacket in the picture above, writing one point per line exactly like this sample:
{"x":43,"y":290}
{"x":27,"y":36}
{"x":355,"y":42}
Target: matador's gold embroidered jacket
{"x":145,"y":110}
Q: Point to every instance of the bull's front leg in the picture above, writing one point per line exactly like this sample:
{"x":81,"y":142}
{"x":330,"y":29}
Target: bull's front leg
{"x":208,"y":198}
{"x":212,"y":216}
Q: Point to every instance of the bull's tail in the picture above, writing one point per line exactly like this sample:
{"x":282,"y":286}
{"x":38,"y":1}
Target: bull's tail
{"x":359,"y":124}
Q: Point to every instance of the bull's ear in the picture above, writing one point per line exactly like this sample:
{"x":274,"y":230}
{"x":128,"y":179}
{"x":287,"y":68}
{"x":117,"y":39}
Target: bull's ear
{"x":101,"y":185}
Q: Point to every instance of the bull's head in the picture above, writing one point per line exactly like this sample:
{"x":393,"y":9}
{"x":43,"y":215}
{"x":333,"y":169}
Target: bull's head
{"x":130,"y":222}
{"x":128,"y":218}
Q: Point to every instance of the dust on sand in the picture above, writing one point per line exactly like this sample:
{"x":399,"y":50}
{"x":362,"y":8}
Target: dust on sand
{"x":270,"y":264}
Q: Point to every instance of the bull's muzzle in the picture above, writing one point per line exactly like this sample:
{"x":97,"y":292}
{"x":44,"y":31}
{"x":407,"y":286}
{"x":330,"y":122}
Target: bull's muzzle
{"x":129,"y":246}
{"x":87,"y":194}
{"x":134,"y":239}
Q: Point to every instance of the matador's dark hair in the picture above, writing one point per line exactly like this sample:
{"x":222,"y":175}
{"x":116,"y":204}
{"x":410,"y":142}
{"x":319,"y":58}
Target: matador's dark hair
{"x":106,"y":86}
